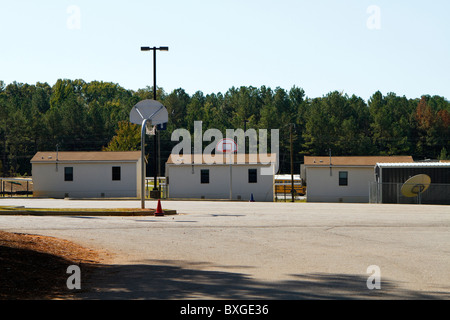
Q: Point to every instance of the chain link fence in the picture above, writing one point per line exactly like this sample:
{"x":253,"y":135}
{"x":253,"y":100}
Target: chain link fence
{"x":391,"y":193}
{"x":283,"y":190}
{"x":162,"y":187}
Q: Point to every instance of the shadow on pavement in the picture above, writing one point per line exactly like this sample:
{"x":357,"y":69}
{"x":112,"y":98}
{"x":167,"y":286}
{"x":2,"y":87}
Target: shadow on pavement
{"x":167,"y":282}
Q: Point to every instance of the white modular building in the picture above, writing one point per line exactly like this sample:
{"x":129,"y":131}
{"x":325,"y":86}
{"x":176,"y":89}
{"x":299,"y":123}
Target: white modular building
{"x":102,"y":174}
{"x":235,"y":177}
{"x":342,"y":179}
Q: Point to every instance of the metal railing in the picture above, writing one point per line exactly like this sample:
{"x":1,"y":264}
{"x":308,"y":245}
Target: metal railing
{"x":16,"y":187}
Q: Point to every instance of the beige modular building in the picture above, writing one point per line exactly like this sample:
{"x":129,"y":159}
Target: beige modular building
{"x":102,"y":174}
{"x":212,"y":177}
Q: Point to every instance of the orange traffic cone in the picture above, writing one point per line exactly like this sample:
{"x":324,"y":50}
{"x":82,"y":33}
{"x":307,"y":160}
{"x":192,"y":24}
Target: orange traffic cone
{"x":159,"y":212}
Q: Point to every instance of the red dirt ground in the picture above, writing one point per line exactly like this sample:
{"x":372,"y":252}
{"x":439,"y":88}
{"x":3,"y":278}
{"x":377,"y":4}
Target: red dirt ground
{"x":34,"y":267}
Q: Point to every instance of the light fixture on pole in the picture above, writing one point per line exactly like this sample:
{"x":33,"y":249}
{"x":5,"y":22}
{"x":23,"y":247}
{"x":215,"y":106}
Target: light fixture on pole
{"x":155,"y":192}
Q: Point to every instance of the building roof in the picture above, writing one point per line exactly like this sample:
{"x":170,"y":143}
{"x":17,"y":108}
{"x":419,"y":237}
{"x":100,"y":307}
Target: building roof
{"x":415,"y":165}
{"x":354,"y":161}
{"x":221,"y":159}
{"x":82,"y":156}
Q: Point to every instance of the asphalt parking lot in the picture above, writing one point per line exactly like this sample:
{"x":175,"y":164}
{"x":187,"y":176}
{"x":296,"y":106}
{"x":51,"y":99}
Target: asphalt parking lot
{"x":243,"y":250}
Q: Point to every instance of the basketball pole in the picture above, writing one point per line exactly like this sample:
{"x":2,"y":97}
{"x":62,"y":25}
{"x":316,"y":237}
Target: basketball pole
{"x":292,"y":164}
{"x":144,"y":124}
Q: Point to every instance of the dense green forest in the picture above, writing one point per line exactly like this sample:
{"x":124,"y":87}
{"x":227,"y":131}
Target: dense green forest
{"x":78,"y":115}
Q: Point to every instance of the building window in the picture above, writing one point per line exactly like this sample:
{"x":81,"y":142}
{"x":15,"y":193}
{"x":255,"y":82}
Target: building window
{"x":204,"y":176}
{"x":116,"y":173}
{"x":343,"y":178}
{"x":252,"y":175}
{"x":68,"y":173}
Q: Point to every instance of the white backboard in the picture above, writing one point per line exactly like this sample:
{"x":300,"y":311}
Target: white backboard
{"x":226,"y":145}
{"x":151,"y":110}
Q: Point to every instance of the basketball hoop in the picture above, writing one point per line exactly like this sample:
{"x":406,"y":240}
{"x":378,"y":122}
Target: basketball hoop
{"x":226,"y":145}
{"x":150,"y":130}
{"x":148,"y":114}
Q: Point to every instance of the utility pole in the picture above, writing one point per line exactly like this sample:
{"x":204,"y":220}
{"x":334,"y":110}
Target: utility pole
{"x":331,"y":170}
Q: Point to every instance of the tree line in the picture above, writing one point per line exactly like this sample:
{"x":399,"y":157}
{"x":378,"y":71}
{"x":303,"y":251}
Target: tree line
{"x":74,"y":115}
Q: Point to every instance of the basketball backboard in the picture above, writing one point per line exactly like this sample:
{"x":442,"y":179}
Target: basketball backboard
{"x":151,"y":110}
{"x":416,"y":185}
{"x":226,"y":145}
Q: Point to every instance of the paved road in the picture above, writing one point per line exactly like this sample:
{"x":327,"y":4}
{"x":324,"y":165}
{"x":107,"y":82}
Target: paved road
{"x":242,"y":250}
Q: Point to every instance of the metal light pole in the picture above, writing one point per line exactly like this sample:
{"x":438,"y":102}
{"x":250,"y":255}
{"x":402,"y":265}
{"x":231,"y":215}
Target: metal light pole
{"x":155,"y":193}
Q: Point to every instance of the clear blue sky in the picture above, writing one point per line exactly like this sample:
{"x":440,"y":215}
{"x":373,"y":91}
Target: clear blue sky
{"x":321,"y":45}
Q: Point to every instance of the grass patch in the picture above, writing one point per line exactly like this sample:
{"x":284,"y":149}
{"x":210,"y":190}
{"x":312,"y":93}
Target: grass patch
{"x":18,"y":210}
